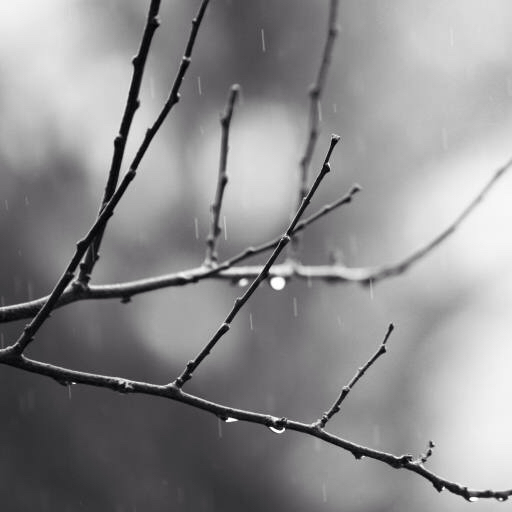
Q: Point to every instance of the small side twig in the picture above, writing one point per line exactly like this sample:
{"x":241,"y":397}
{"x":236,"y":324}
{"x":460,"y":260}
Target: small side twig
{"x":132,"y":104}
{"x":315,"y":96}
{"x":215,"y":229}
{"x":335,"y":408}
{"x":240,"y":301}
{"x":423,"y":458}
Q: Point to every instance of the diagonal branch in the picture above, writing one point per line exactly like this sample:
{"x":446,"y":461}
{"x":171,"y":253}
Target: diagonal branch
{"x":240,"y":301}
{"x":315,"y":96}
{"x":132,"y":104}
{"x":336,"y":406}
{"x":67,"y":376}
{"x":82,"y":245}
{"x":215,"y":229}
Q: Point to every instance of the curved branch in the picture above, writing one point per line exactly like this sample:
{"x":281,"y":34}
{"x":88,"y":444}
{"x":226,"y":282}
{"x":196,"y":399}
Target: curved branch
{"x":227,"y":271}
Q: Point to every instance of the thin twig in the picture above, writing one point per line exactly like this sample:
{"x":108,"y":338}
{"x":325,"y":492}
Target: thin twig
{"x":428,"y":453}
{"x":67,"y":377}
{"x":240,"y":301}
{"x":174,"y":94}
{"x":315,"y":96}
{"x":132,"y":104}
{"x":335,"y":408}
{"x":215,"y":229}
{"x":381,"y":272}
{"x":30,"y":329}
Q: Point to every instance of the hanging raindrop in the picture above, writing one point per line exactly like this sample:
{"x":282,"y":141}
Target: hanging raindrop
{"x":277,"y":283}
{"x":277,"y":430}
{"x":243,"y":282}
{"x":230,"y":420}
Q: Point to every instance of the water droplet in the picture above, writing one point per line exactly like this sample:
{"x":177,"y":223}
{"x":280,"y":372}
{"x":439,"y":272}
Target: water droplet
{"x":277,"y":283}
{"x":473,"y":499}
{"x":277,"y":430}
{"x":501,"y":499}
{"x":243,"y":282}
{"x":230,"y":420}
{"x":358,"y":456}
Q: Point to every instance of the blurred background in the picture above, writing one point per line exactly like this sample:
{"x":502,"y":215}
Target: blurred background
{"x":421,"y":93}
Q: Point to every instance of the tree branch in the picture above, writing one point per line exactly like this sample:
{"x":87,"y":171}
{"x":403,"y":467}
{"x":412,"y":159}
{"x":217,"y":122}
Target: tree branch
{"x":226,"y":270}
{"x":315,"y":96}
{"x":132,"y":104}
{"x":240,"y":301}
{"x":28,"y":333}
{"x":215,"y":229}
{"x":68,"y":377}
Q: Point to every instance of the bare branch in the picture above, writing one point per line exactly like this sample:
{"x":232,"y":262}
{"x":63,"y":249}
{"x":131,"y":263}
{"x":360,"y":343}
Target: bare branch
{"x":132,"y":104}
{"x":30,"y":329}
{"x":240,"y":301}
{"x":174,"y":94}
{"x":335,"y":408}
{"x":288,"y":270}
{"x":215,"y":229}
{"x":68,"y":377}
{"x":381,"y":272}
{"x":315,"y":96}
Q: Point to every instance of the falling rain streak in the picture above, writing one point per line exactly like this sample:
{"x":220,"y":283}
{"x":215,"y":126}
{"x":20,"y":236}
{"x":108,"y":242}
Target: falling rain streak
{"x":324,"y":492}
{"x":295,"y":308}
{"x":263,"y":45}
{"x":199,"y":88}
{"x":219,"y":428}
{"x":371,"y":289}
{"x":250,"y":322}
{"x":225,"y":228}
{"x":196,"y":227}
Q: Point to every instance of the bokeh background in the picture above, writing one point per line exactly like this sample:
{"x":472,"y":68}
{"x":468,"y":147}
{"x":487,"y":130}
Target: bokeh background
{"x":421,"y":93}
